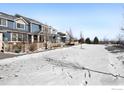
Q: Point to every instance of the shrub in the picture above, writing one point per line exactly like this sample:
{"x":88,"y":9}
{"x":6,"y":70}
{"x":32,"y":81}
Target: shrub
{"x":56,"y":45}
{"x":96,"y":41}
{"x":81,"y":40}
{"x":17,"y":51}
{"x":17,"y":48}
{"x":33,"y":47}
{"x":88,"y":41}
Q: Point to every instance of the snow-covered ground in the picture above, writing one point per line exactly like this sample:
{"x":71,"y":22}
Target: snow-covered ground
{"x":55,"y":67}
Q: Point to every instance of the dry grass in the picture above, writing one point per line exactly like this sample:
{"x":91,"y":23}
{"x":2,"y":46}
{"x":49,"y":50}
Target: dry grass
{"x":33,"y":47}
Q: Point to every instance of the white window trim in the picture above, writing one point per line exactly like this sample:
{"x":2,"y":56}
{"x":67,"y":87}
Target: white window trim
{"x":16,"y":37}
{"x":6,"y":23}
{"x":13,"y":24}
{"x":20,"y":28}
{"x":32,"y":26}
{"x":21,"y":23}
{"x":21,"y":36}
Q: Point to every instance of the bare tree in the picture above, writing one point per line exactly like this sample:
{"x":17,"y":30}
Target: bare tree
{"x":119,"y":39}
{"x":105,"y":40}
{"x":70,"y":36}
{"x":81,"y":41}
{"x":46,"y":36}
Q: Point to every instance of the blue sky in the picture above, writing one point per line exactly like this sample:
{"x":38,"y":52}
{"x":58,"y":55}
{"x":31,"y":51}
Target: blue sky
{"x":102,"y":20}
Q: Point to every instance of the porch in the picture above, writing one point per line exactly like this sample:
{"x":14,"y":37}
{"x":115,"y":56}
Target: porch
{"x":22,"y":42}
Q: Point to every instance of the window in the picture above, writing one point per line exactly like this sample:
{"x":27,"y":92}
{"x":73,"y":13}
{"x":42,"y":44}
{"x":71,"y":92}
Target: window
{"x":2,"y":22}
{"x":29,"y":38}
{"x":27,"y":28}
{"x":35,"y":28}
{"x":20,"y":26}
{"x":6,"y":36}
{"x":20,"y":37}
{"x":10,"y":24}
{"x":14,"y":37}
{"x":35,"y":38}
{"x":41,"y":38}
{"x":25,"y":37}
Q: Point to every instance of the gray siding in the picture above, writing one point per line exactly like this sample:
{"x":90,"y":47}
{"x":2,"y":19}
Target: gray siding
{"x":35,"y":28}
{"x":27,"y":28}
{"x":10,"y":24}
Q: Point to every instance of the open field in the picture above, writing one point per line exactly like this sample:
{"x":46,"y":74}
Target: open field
{"x":63,"y":67}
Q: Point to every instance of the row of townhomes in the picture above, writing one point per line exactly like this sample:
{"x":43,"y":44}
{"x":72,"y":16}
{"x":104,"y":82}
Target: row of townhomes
{"x":20,"y":33}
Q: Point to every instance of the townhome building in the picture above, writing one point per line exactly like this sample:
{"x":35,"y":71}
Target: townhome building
{"x":17,"y":30}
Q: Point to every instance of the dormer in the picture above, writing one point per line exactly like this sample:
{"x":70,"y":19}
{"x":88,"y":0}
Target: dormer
{"x":20,"y":23}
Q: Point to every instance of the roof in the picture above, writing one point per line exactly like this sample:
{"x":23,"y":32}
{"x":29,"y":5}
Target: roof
{"x":29,"y":20}
{"x":61,"y":34}
{"x":11,"y":17}
{"x":7,"y":16}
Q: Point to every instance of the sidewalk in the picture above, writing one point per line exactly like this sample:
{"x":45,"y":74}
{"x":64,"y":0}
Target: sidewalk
{"x":6,"y":55}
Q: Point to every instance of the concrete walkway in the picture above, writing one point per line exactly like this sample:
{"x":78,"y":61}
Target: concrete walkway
{"x":6,"y":55}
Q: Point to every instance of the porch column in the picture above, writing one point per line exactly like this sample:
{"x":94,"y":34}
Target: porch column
{"x":27,"y":38}
{"x":1,"y":40}
{"x":10,"y":45}
{"x":32,"y":38}
{"x":10,"y":36}
{"x":38,"y":41}
{"x":38,"y":38}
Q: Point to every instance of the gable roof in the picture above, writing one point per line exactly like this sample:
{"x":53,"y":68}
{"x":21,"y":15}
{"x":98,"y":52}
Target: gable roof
{"x":22,"y":19}
{"x":61,"y":33}
{"x":29,"y":20}
{"x":13,"y":17}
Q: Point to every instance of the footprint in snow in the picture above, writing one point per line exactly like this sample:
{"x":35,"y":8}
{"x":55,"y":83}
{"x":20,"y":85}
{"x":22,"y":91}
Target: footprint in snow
{"x":52,"y":68}
{"x":112,"y":65}
{"x":1,"y":77}
{"x":21,"y":65}
{"x":62,"y":69}
{"x":18,"y":71}
{"x":69,"y":75}
{"x":84,"y":83}
{"x":63,"y":57}
{"x":1,"y":69}
{"x":15,"y":75}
